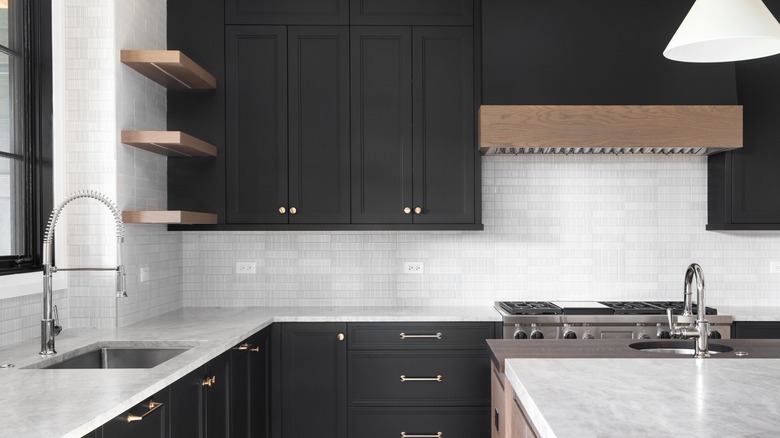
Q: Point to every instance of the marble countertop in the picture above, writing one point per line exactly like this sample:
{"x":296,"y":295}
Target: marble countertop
{"x":71,"y":403}
{"x":648,"y":397}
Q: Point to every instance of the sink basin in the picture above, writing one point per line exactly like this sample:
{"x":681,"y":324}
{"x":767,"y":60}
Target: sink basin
{"x":677,"y":347}
{"x":114,"y":356}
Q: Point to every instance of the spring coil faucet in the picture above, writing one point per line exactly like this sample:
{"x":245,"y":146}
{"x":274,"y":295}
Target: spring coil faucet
{"x":48,"y":328}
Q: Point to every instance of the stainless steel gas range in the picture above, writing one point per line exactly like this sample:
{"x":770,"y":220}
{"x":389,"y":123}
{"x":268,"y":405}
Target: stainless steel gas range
{"x":600,"y":320}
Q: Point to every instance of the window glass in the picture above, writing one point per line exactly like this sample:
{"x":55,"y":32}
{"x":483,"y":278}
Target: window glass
{"x":11,"y":216}
{"x":4,"y":22}
{"x":6,"y":131}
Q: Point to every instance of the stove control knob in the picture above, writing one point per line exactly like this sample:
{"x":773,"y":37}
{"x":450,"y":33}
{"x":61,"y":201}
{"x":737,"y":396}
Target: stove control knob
{"x":536,"y":334}
{"x":588,"y":336}
{"x":714,"y":335}
{"x":570,"y":335}
{"x":643,"y":336}
{"x":520,"y":335}
{"x":664,"y":334}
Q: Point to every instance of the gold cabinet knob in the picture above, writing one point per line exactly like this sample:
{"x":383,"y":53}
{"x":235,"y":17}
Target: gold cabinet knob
{"x":417,"y":210}
{"x":293,"y":210}
{"x":282,"y":210}
{"x":340,"y":336}
{"x":407,"y":210}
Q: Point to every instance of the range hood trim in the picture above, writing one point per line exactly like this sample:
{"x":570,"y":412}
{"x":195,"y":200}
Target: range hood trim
{"x":609,"y":129}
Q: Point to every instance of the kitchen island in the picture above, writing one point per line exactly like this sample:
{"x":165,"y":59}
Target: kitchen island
{"x":608,"y":389}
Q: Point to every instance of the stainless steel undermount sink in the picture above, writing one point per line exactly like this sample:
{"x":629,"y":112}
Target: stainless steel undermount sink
{"x":113,"y":356}
{"x":677,"y":347}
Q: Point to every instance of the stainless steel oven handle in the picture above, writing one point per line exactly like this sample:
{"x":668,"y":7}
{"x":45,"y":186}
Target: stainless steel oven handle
{"x":405,"y":336}
{"x":421,"y":379}
{"x":406,"y":435}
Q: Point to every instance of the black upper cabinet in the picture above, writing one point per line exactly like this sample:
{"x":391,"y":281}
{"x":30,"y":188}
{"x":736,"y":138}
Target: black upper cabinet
{"x":314,"y":378}
{"x":413,"y":154}
{"x":412,"y":12}
{"x":592,"y":52}
{"x":288,"y":124}
{"x":286,"y":11}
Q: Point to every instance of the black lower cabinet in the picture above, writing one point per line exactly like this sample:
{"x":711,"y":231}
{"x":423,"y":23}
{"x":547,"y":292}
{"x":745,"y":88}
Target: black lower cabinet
{"x":200,"y":401}
{"x":313,"y":368}
{"x":251,"y":389}
{"x":392,"y":422}
{"x":755,"y":330}
{"x":148,"y":419}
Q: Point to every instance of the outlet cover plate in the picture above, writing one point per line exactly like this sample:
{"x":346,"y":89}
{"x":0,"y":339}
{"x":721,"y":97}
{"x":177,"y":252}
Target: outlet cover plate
{"x":414,"y":268}
{"x":246,"y":267}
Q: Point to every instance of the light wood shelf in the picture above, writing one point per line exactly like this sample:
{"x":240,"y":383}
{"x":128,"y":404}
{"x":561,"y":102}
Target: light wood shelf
{"x":169,"y":68}
{"x":168,"y":217}
{"x":169,"y":143}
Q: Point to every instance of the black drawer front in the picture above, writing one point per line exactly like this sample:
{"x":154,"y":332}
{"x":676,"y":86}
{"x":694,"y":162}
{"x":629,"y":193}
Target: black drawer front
{"x":390,"y":422}
{"x":420,"y":336}
{"x":375,"y":378}
{"x":412,"y":12}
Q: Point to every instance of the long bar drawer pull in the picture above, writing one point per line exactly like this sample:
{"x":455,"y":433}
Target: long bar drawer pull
{"x":244,"y":346}
{"x":421,"y":379}
{"x":153,"y":406}
{"x":406,"y":435}
{"x":405,"y":336}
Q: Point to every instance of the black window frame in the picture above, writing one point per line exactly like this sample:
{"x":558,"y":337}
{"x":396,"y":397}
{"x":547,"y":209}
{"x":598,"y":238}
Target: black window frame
{"x":36,"y":133}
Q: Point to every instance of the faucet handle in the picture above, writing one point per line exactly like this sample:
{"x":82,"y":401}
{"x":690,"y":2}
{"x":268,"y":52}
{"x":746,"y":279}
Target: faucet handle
{"x":57,"y":326}
{"x":669,"y":318}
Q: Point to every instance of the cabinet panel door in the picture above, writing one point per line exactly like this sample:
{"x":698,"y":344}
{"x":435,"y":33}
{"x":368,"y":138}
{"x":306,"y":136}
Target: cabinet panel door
{"x":256,"y":58}
{"x":153,"y":425}
{"x":250,"y":387}
{"x":314,"y":380}
{"x":287,"y":11}
{"x":390,"y":422}
{"x":756,"y":179}
{"x":319,"y":124}
{"x":381,"y":124}
{"x":186,"y":409}
{"x":444,"y":143}
{"x":217,"y":397}
{"x":396,"y":12}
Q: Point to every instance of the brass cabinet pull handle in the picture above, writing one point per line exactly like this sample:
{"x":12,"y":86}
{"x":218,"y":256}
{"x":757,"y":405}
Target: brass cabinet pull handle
{"x":417,"y":210}
{"x":282,"y":210}
{"x":255,"y":350}
{"x":406,"y":435}
{"x":209,"y":381}
{"x":405,"y":336}
{"x":244,"y":346}
{"x":407,"y":210}
{"x":421,"y":379}
{"x":340,"y":336}
{"x":293,"y":210}
{"x":152,"y":406}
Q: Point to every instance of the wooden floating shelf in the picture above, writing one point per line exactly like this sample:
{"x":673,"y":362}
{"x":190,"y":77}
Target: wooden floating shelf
{"x":169,"y":143}
{"x":168,"y":217}
{"x":169,"y":68}
{"x":702,"y":129}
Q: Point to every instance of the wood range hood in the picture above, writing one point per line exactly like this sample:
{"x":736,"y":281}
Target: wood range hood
{"x":607,"y":129}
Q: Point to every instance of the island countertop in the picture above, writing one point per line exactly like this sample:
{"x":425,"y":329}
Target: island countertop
{"x":73,"y":402}
{"x":648,"y":397}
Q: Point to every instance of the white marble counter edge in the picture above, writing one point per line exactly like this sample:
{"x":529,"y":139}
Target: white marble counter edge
{"x":534,"y":416}
{"x":209,"y":350}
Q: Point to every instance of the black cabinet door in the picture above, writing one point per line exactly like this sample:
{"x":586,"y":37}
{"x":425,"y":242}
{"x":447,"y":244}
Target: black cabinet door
{"x":314,"y":380}
{"x":318,"y":124}
{"x":443,"y":109}
{"x":186,"y":410}
{"x":217,"y":397}
{"x":399,"y":12}
{"x":381,"y":125}
{"x":287,"y":11}
{"x":756,"y":330}
{"x":250,"y":387}
{"x":256,"y":101}
{"x":148,"y":419}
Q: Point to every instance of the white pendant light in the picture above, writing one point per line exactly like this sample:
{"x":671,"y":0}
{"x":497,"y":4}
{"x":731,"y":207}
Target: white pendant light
{"x":725,"y":30}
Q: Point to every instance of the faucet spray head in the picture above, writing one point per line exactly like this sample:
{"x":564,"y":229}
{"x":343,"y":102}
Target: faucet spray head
{"x":121,"y":286}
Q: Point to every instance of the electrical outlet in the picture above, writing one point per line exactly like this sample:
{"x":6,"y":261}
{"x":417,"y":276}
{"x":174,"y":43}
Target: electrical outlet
{"x":774,"y":267}
{"x":246,"y":267}
{"x":143,"y":274}
{"x":414,"y":268}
